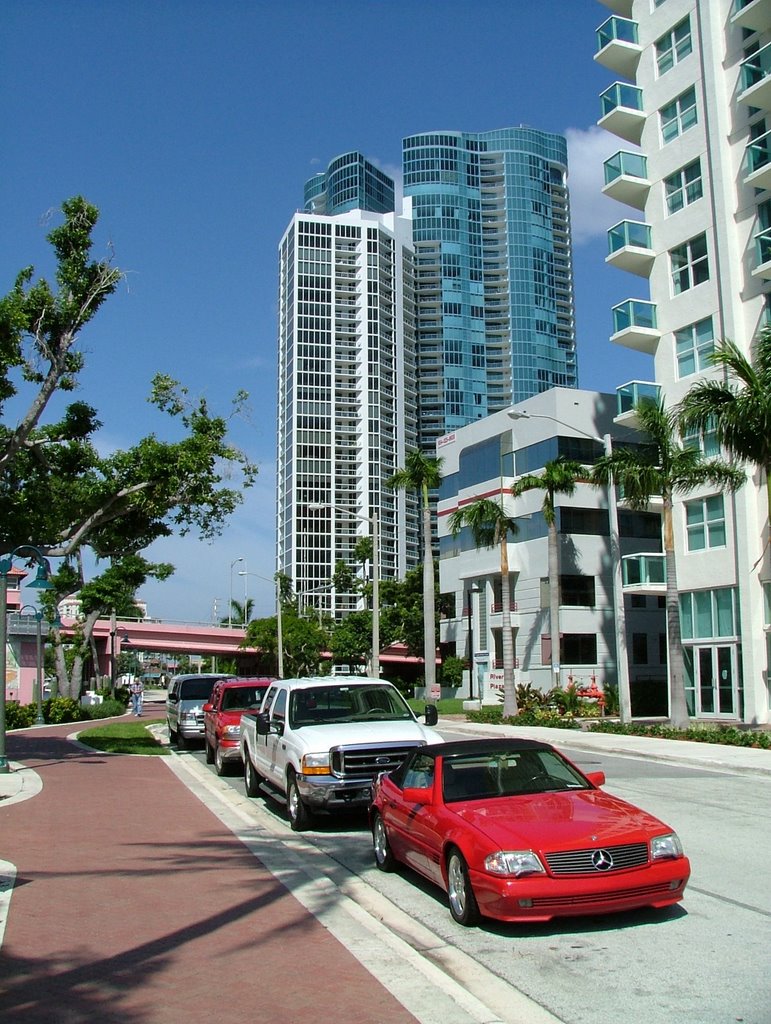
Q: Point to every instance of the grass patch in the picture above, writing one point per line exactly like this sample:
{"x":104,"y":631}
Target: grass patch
{"x":122,"y":738}
{"x":449,"y":706}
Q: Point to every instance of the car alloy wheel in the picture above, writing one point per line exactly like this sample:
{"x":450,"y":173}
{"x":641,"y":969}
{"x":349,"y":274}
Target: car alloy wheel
{"x":299,"y":815}
{"x":251,"y":778}
{"x":384,"y":857}
{"x":463,"y":904}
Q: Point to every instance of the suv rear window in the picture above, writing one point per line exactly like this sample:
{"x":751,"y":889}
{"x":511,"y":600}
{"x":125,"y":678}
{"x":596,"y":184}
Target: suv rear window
{"x":196,"y":689}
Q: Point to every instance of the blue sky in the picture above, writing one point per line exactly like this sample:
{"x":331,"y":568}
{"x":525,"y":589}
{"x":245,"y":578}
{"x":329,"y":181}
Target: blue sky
{"x":193,"y":126}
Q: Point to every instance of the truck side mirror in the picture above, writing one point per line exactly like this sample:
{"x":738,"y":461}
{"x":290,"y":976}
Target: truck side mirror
{"x":263,"y":724}
{"x":431,"y":715}
{"x":208,"y":707}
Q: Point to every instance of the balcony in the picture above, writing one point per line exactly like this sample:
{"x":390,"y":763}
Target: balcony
{"x":755,"y":79}
{"x":626,"y":178}
{"x":634,"y":326}
{"x":644,"y":573}
{"x":622,"y":7}
{"x":622,"y":111}
{"x":632,"y":394}
{"x":754,"y":15}
{"x":757,"y":162}
{"x":618,"y":48}
{"x":629,"y":247}
{"x":763,"y":254}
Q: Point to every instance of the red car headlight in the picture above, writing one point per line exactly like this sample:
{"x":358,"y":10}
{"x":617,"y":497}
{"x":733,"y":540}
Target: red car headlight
{"x":668,"y":846}
{"x":514,"y":862}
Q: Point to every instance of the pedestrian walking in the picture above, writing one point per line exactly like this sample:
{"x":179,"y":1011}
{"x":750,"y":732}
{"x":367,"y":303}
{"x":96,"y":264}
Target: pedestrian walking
{"x":137,"y":690}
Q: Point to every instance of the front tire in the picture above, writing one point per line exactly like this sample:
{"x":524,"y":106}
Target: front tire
{"x":220,"y":764}
{"x":384,"y":857}
{"x":463,"y":902}
{"x":209,"y":754}
{"x":251,"y":778}
{"x":299,"y":815}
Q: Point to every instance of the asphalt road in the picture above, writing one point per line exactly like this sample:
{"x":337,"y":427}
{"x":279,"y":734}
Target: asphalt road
{"x":704,"y":962}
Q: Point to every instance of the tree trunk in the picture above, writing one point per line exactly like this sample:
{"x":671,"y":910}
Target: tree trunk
{"x":554,"y":602}
{"x":507,"y":643}
{"x":429,"y":614}
{"x":678,"y":708}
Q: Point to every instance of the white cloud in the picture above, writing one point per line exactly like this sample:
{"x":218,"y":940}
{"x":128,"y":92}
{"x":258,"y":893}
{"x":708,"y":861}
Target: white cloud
{"x":591,"y":213}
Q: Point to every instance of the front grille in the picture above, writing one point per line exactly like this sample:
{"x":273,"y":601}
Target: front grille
{"x":367,"y":762}
{"x":583,"y":862}
{"x":606,"y":898}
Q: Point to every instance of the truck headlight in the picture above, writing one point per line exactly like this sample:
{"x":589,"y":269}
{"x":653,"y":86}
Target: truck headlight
{"x":316,"y":764}
{"x":232,"y":731}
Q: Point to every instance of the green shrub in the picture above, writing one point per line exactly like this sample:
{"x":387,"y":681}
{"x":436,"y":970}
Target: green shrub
{"x":529,"y":698}
{"x":109,"y":708}
{"x":63,"y":709}
{"x":452,"y":672}
{"x":728,"y":735}
{"x":611,"y":698}
{"x":20,"y":716}
{"x":567,"y":699}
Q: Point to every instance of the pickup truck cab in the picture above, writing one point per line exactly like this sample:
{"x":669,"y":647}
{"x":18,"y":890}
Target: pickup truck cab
{"x":222,"y":718}
{"x":321,"y":742}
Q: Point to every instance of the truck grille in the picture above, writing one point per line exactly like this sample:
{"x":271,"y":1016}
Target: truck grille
{"x":366,"y":762}
{"x":598,"y":859}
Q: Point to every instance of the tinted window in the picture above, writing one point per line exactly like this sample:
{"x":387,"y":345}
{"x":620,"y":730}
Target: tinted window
{"x":196,"y":689}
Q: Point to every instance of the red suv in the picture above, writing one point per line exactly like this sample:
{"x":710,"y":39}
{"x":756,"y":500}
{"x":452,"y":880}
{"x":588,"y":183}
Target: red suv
{"x":222,"y":718}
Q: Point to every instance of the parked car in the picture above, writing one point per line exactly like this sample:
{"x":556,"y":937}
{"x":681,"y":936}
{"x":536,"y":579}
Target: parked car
{"x":319,"y":743}
{"x":222,"y":718}
{"x":511,"y":829}
{"x":185,"y":699}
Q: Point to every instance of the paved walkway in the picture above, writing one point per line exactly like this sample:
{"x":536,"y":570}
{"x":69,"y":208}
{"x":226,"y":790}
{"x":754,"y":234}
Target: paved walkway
{"x":133,"y":903}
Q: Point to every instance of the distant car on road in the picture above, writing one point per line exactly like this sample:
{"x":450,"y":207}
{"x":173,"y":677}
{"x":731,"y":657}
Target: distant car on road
{"x":511,"y":829}
{"x":185,"y":699}
{"x":222,"y":718}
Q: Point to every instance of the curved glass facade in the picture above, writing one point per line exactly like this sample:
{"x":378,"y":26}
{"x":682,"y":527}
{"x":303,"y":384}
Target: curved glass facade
{"x":349,"y":183}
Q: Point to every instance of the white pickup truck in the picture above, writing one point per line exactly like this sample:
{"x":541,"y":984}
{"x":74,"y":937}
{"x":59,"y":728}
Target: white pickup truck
{"x":321,"y":742}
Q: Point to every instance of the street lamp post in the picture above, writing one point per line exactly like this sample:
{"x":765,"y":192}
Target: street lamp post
{"x":230,"y":605}
{"x":41,"y":582}
{"x":473,"y":589}
{"x":279,"y":622}
{"x":622,"y":657}
{"x":373,"y":521}
{"x":39,"y":720}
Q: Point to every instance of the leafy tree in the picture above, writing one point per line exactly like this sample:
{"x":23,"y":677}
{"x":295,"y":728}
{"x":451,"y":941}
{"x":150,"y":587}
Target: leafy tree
{"x":737,"y":408}
{"x":664,"y":467}
{"x":490,"y":526}
{"x":57,"y":492}
{"x":304,"y":641}
{"x":559,"y":476}
{"x":240,"y":613}
{"x":351,"y":639}
{"x":402,"y":610}
{"x":422,"y":474}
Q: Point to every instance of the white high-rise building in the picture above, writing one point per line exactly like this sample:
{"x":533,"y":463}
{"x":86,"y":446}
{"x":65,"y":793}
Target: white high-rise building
{"x":691,"y":107}
{"x":346,"y":387}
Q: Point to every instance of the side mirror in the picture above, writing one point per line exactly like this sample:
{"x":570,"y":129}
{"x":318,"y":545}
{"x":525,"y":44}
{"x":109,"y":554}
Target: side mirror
{"x":596,"y":778}
{"x":172,"y":698}
{"x":418,"y":796}
{"x":262,"y":723}
{"x":208,"y":707}
{"x":431,"y":715}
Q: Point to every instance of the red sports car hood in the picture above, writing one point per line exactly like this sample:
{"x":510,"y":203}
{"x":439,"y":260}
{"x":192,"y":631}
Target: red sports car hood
{"x":558,"y":821}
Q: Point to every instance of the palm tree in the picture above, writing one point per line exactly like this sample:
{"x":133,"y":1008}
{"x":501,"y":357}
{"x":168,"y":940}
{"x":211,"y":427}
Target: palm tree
{"x":421,"y":473}
{"x":559,"y":476}
{"x":738,"y":408}
{"x":490,"y":525}
{"x":240,"y":613}
{"x":664,"y":466}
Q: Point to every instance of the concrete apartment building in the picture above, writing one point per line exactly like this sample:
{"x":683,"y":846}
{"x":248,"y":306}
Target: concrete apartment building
{"x":691,"y":107}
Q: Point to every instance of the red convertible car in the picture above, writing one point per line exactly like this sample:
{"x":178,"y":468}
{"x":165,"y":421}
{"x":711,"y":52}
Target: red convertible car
{"x":511,"y":829}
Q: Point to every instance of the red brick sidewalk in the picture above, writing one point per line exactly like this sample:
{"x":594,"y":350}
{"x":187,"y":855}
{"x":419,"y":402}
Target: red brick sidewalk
{"x":133,"y":904}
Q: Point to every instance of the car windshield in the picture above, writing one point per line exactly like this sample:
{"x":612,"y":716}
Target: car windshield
{"x":320,"y":705}
{"x":510,"y":773}
{"x":242,"y":697}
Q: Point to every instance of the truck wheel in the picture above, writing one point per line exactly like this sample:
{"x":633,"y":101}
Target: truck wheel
{"x":209,"y":754}
{"x":299,"y":815}
{"x":173,"y":736}
{"x":384,"y":857}
{"x":181,"y":741}
{"x":219,"y":762}
{"x":251,"y":778}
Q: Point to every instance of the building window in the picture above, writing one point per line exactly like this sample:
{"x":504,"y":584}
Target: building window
{"x":694,"y":345}
{"x":639,"y":648}
{"x":704,"y":441}
{"x":673,"y":46}
{"x":678,"y":116}
{"x":689,"y":264}
{"x":705,"y":523}
{"x":683,"y":187}
{"x":709,"y":614}
{"x":578,"y":649}
{"x":577,"y":591}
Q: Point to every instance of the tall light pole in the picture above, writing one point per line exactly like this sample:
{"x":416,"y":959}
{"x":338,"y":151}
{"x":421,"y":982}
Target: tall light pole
{"x":40,"y":720}
{"x":373,"y":521}
{"x":279,"y":624}
{"x":230,"y":605}
{"x":622,"y":656}
{"x":473,"y":589}
{"x":41,"y":582}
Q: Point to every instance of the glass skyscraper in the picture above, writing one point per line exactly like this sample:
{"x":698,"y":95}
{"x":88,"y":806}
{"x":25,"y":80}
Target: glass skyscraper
{"x":494,"y":279}
{"x":349,"y":183}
